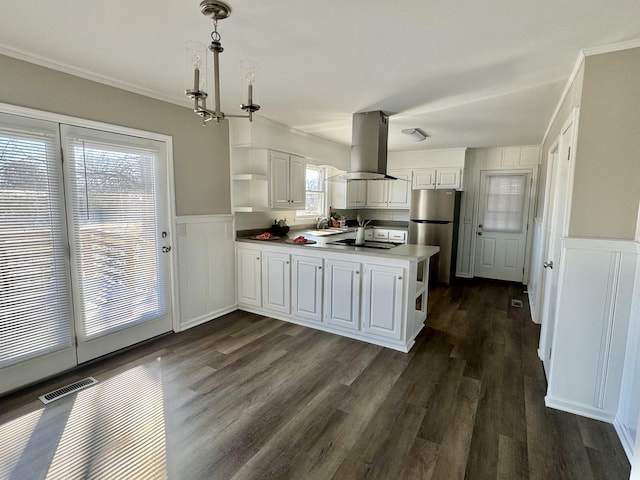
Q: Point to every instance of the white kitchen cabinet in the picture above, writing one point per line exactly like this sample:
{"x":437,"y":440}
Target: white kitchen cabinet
{"x":382,"y":300}
{"x":437,"y":178}
{"x":368,"y":234}
{"x":276,"y":281}
{"x":390,"y":193}
{"x":249,"y":276}
{"x":306,"y":290}
{"x":356,"y":194}
{"x":387,"y":235}
{"x":287,"y":176}
{"x":342,"y":294}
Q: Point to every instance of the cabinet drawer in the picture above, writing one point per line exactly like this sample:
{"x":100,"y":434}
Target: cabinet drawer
{"x":379,"y":234}
{"x":398,"y":236}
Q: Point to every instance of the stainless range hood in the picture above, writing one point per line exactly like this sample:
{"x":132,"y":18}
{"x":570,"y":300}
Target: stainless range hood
{"x":369,"y":147}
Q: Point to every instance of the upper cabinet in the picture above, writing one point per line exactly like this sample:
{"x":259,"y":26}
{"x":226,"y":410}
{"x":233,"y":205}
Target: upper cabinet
{"x":356,"y":194}
{"x":390,"y":193}
{"x":286,"y":181}
{"x":437,"y":178}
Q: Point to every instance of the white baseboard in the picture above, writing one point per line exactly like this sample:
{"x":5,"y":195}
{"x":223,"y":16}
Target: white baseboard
{"x":579,"y":409}
{"x":625,"y":437}
{"x":194,"y":322}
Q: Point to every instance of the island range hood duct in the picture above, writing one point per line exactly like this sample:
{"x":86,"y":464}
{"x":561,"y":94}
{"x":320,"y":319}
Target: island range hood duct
{"x":369,"y":147}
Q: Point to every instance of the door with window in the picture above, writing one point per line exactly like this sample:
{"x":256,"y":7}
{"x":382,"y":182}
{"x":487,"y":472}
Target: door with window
{"x":84,"y":276}
{"x":502,"y":224}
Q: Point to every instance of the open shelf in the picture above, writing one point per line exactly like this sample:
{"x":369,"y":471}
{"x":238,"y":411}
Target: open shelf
{"x":249,"y":177}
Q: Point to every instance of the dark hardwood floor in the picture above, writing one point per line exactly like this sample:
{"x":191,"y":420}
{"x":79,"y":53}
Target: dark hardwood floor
{"x":248,"y":397}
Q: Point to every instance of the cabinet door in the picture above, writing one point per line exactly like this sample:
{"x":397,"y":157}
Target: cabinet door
{"x":448,"y":178}
{"x":249,"y":279}
{"x":342,"y":294}
{"x":368,"y":234}
{"x":297,"y":180}
{"x":424,"y":179}
{"x":399,"y":191}
{"x":276,"y":282}
{"x":377,"y":193}
{"x":382,"y":301}
{"x":279,"y":180}
{"x":356,"y":193}
{"x":306,"y":290}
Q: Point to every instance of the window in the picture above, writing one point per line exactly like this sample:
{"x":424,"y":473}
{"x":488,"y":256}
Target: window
{"x":314,"y":193}
{"x":504,"y":210}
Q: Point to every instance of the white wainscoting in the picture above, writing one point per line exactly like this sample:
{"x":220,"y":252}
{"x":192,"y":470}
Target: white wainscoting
{"x":594,"y":307}
{"x":626,"y":421}
{"x":206,"y":268}
{"x":535,"y":279}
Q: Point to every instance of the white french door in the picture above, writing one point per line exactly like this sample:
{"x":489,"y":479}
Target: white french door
{"x":502,"y":224}
{"x":118,"y":229}
{"x":84,"y":246}
{"x":36,"y":327}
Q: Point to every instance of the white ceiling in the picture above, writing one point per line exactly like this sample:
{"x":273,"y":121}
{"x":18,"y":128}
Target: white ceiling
{"x":469,"y":73}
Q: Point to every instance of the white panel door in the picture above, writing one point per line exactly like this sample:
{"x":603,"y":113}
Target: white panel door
{"x":276,"y":281}
{"x":249,"y":277}
{"x":448,"y":178}
{"x":342,"y":294}
{"x":424,"y":179}
{"x":306,"y":289}
{"x":399,"y":191}
{"x":377,"y":193}
{"x":556,"y":228}
{"x":382,"y":301}
{"x":297,"y":179}
{"x":279,"y":180}
{"x":502,"y":224}
{"x":118,"y":214}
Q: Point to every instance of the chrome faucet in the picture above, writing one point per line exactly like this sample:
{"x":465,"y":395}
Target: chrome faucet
{"x":322,"y":222}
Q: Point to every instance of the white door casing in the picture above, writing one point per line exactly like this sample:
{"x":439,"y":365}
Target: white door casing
{"x":501,"y":231}
{"x":556,"y":224}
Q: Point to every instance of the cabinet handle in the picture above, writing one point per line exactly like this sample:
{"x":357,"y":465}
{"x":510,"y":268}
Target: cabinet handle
{"x":257,"y":258}
{"x":357,"y":273}
{"x":319,"y":268}
{"x":399,"y":278}
{"x":287,"y":263}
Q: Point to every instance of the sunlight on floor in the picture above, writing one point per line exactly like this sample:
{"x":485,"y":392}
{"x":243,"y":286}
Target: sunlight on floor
{"x":115,"y":429}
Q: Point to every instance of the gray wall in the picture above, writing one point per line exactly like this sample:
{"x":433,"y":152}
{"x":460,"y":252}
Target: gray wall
{"x":606,"y":188}
{"x":200,"y":155}
{"x":572,"y":100}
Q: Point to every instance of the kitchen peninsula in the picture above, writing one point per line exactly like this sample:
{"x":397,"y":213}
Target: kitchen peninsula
{"x":374,"y":295}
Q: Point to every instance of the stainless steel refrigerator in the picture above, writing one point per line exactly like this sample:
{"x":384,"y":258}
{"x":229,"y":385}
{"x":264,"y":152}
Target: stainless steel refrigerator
{"x":433,"y":220}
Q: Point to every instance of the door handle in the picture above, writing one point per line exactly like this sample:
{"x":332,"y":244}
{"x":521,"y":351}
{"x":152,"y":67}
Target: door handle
{"x":548,"y":265}
{"x":166,"y":249}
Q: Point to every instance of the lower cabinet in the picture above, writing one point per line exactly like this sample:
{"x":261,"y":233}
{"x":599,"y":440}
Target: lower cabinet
{"x":306,"y":288}
{"x":382,"y":300}
{"x":276,"y":281}
{"x":342,"y":294}
{"x":249,"y":277}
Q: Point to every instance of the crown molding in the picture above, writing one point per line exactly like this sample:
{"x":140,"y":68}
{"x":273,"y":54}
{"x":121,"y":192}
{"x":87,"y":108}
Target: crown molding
{"x":613,"y":47}
{"x":87,"y":75}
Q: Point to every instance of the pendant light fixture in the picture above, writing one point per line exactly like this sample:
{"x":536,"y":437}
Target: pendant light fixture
{"x":197,"y":59}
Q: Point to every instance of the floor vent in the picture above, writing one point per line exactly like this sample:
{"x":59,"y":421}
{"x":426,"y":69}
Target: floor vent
{"x":516,"y":303}
{"x":67,"y":390}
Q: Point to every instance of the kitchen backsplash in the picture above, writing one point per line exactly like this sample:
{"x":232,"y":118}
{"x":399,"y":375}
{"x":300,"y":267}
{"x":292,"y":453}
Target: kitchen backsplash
{"x":248,"y":221}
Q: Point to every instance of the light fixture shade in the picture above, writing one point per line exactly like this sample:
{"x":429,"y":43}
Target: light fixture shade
{"x":417,"y":134}
{"x":196,"y":58}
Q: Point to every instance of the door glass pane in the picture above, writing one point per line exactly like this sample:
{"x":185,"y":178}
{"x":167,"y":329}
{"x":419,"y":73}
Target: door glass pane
{"x":35,"y":316}
{"x":504,"y":203}
{"x":114,"y":189}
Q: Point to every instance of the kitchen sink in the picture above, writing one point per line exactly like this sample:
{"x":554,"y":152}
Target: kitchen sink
{"x":324,"y":232}
{"x":351,"y":242}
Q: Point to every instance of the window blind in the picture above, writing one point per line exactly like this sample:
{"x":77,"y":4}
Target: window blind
{"x":112,"y":184}
{"x":35,"y":314}
{"x":505,"y":203}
